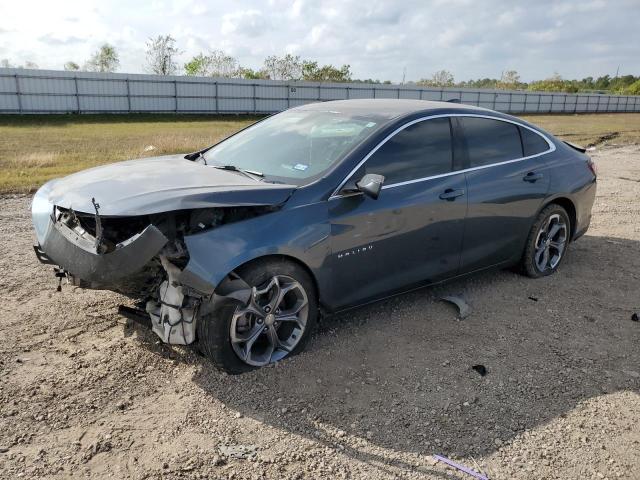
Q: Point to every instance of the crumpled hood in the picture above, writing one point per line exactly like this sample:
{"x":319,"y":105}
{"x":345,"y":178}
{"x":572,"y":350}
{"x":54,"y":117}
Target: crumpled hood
{"x":160,"y":184}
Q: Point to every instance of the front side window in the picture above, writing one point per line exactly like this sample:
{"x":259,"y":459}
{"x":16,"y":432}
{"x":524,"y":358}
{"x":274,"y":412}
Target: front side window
{"x":295,"y":146}
{"x":420,"y":150}
{"x":490,"y":141}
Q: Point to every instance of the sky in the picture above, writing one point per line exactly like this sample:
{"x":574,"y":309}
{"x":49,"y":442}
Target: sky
{"x":379,"y":39}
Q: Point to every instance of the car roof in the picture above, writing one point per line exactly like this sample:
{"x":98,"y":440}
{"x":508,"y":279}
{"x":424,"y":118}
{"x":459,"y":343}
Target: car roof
{"x":390,"y":108}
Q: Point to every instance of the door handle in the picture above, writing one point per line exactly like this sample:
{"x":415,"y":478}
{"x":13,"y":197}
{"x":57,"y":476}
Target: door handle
{"x":450,"y":194}
{"x":532,"y":177}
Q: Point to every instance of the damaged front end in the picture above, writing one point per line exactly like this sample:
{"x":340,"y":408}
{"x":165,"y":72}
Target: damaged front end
{"x":140,"y":256}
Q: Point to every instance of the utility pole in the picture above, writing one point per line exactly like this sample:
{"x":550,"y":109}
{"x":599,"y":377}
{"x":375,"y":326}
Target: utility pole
{"x":404,"y":75}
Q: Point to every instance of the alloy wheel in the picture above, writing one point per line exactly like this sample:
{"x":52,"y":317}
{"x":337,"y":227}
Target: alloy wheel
{"x":551,"y":243}
{"x":270,"y":326}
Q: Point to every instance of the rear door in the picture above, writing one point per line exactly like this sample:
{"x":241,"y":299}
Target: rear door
{"x":506,"y":186}
{"x":413,"y":232}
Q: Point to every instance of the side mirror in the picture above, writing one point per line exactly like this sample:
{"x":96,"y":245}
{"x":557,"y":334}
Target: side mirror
{"x":370,"y":185}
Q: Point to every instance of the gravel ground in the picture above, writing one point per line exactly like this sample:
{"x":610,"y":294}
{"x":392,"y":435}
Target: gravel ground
{"x":379,"y":391}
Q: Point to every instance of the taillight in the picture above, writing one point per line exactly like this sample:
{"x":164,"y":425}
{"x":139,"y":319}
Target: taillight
{"x":592,"y":167}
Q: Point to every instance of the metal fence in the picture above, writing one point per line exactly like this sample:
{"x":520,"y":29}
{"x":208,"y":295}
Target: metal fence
{"x":52,"y":91}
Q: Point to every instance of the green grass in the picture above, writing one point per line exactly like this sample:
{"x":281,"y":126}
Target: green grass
{"x":34,"y":149}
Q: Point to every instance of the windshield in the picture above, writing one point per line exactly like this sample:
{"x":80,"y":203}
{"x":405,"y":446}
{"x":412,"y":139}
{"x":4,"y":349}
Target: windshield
{"x":295,"y":146}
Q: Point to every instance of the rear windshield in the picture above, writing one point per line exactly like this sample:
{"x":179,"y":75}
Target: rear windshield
{"x":295,"y":146}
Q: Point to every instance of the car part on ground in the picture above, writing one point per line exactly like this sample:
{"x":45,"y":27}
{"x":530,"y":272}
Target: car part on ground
{"x":464,"y":310}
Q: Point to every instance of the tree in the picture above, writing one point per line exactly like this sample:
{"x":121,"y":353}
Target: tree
{"x":287,"y":67}
{"x":510,"y":80}
{"x":104,"y":60}
{"x":71,"y":67}
{"x":327,"y":73}
{"x":250,"y":74}
{"x":633,"y":89}
{"x":442,"y":78}
{"x":216,"y":64}
{"x":161,"y":53}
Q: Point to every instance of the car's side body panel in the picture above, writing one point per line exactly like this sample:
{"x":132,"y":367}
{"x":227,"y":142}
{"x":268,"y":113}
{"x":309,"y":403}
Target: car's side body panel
{"x":406,"y":236}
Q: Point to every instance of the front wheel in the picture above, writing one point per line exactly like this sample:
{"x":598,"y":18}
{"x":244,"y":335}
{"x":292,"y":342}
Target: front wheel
{"x":547,"y":242}
{"x":274,"y":324}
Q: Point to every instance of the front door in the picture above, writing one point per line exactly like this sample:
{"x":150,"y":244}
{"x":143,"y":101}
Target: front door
{"x":412,"y":233}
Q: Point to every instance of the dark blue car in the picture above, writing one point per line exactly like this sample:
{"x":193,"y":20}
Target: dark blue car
{"x":324,"y":207}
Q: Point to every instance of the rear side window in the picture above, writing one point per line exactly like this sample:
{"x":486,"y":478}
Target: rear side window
{"x":532,"y":143}
{"x":420,"y":150}
{"x":490,"y":141}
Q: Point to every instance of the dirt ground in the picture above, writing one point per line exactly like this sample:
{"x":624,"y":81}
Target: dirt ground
{"x":84,"y":394}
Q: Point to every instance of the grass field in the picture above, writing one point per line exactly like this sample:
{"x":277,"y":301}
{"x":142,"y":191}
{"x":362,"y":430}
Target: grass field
{"x":34,"y":149}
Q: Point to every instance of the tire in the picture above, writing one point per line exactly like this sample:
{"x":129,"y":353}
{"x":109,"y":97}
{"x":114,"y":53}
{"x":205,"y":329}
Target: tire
{"x":214,"y":330}
{"x":554,"y":220}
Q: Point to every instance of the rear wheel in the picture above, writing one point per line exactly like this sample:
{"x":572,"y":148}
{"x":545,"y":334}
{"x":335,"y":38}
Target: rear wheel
{"x":547,"y":242}
{"x":274,"y":324}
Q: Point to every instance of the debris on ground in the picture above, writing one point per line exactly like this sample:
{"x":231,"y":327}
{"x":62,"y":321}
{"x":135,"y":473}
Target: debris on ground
{"x":464,"y":310}
{"x":481,"y":369}
{"x":531,"y":297}
{"x":635,"y":318}
{"x":241,"y":452}
{"x":460,"y":467}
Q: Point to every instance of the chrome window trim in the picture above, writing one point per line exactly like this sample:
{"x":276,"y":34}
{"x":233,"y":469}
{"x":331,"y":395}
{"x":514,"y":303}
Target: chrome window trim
{"x":551,"y":149}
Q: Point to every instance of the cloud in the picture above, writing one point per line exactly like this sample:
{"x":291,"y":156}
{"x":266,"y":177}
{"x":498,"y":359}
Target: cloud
{"x":251,"y":23}
{"x":377,"y":38}
{"x":53,"y":39}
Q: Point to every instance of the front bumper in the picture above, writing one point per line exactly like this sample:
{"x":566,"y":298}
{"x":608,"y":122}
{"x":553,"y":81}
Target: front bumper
{"x":76,"y":254}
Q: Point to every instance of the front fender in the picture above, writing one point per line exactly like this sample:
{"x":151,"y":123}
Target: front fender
{"x":301,"y":233}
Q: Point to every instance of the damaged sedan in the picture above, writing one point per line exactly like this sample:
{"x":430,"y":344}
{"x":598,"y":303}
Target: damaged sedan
{"x":240,"y":246}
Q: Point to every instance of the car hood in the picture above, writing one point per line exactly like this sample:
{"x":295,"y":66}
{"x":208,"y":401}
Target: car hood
{"x":160,"y":184}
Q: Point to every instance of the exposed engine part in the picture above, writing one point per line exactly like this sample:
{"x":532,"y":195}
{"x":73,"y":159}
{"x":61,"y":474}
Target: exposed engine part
{"x":173,"y":314}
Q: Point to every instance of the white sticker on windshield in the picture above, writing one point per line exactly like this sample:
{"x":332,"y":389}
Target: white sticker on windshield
{"x":370,"y":124}
{"x":301,"y":166}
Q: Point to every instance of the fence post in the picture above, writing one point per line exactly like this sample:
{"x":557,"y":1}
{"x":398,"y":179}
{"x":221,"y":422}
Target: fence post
{"x":217,"y":106}
{"x":539,"y":99}
{"x":15,"y":77}
{"x":288,"y":95}
{"x":348,"y":94}
{"x":398,"y":92}
{"x":128,"y":96}
{"x":255,"y":100}
{"x":175,"y":94}
{"x":478,"y":101}
{"x":319,"y":92}
{"x":526,"y":97}
{"x":75,"y":83}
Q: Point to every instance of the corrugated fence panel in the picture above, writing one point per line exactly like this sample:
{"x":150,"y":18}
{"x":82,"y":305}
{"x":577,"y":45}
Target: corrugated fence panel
{"x":50,"y":91}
